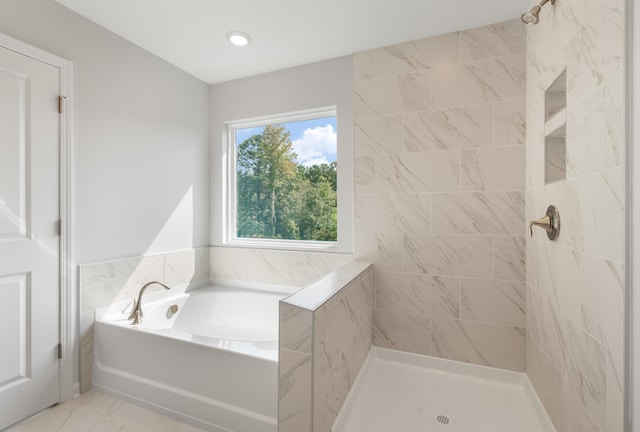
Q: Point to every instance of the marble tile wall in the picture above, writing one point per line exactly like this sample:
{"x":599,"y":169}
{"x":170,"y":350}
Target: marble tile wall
{"x":575,"y":286}
{"x":325,"y":336}
{"x":440,"y":204}
{"x":277,"y":267}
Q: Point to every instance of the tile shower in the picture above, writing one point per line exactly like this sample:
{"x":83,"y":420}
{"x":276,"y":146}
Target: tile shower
{"x":443,"y":196}
{"x":446,"y":179}
{"x":440,"y":201}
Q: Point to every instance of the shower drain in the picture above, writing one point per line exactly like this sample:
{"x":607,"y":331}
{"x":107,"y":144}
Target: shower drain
{"x":443,"y":419}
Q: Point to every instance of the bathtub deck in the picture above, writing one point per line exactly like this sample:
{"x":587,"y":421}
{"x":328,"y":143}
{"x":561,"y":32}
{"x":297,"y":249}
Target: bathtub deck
{"x":407,"y":393}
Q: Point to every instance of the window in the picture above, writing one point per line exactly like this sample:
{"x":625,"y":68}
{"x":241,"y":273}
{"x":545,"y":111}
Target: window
{"x":283,"y":181}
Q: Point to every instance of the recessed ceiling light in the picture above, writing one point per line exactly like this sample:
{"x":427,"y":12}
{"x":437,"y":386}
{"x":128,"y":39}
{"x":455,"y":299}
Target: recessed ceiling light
{"x":238,"y":38}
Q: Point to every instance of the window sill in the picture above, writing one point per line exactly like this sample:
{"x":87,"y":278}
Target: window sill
{"x":286,"y":245}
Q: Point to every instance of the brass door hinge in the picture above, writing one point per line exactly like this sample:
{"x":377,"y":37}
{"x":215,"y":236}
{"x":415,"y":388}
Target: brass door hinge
{"x":61,"y":100}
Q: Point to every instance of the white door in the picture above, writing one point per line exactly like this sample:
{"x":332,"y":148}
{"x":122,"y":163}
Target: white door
{"x":29,"y":238}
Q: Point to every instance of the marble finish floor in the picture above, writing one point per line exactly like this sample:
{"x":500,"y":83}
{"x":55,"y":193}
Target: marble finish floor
{"x":99,"y":412}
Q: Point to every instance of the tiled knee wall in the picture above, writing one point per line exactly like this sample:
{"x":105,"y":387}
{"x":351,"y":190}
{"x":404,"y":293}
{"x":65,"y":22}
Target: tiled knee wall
{"x":325,"y":335}
{"x":440,"y":204}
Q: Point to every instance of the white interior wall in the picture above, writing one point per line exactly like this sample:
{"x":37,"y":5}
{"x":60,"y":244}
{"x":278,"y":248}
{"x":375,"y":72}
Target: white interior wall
{"x":141,"y":137}
{"x":305,"y":87}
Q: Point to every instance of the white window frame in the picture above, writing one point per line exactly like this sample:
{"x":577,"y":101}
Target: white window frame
{"x":230,"y":237}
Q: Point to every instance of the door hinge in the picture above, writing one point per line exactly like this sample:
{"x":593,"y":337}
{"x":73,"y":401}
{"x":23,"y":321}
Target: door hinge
{"x":60,"y":350}
{"x":61,"y":100}
{"x":59,"y":227}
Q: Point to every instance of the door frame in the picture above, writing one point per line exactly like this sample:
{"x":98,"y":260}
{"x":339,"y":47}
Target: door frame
{"x":69,"y":338}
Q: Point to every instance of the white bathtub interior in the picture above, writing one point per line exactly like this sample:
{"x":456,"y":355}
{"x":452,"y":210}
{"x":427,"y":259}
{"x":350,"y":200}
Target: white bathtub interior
{"x":397,"y":391}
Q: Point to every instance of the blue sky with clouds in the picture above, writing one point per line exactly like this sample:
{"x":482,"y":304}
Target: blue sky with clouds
{"x":314,"y":141}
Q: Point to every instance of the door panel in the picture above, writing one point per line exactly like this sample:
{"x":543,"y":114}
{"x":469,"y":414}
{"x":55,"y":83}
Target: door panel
{"x":29,"y":241}
{"x":13,"y":117}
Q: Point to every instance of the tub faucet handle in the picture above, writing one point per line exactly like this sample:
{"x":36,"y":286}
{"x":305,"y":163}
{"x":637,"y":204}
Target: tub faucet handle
{"x":136,"y":314}
{"x":136,"y":319}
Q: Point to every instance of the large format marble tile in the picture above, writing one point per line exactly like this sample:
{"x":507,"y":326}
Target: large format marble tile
{"x":615,"y":394}
{"x":497,"y":40}
{"x":364,"y":65}
{"x":601,"y":49}
{"x":187,"y":266}
{"x":329,"y":397}
{"x":418,"y":55}
{"x":601,"y":208}
{"x":268,"y":266}
{"x":418,"y":294}
{"x":485,"y":81}
{"x":555,"y":272}
{"x":493,"y":302}
{"x":105,"y":283}
{"x":509,"y":261}
{"x":602,"y":294}
{"x":495,"y":213}
{"x":545,"y":379}
{"x":95,"y":411}
{"x":378,"y":136}
{"x":392,"y":213}
{"x":295,"y":328}
{"x":547,"y":325}
{"x":401,"y":331}
{"x":509,"y":123}
{"x":364,"y":171}
{"x":383,"y":250}
{"x":418,"y":172}
{"x":392,"y":95}
{"x":68,"y":418}
{"x":322,"y":349}
{"x":478,"y":343}
{"x":449,"y":255}
{"x":294,"y":392}
{"x":495,"y":169}
{"x":304,"y":268}
{"x":466,"y":127}
{"x":85,"y":363}
{"x":586,"y":370}
{"x":588,"y":149}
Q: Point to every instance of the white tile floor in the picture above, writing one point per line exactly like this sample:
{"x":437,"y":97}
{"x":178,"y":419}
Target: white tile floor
{"x":99,"y":412}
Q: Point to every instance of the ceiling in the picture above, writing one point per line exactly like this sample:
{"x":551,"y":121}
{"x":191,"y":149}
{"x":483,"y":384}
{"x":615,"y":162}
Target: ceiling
{"x":191,"y":33}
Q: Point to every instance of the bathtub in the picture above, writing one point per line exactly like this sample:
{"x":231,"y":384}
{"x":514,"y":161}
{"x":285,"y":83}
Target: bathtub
{"x":207,"y":356}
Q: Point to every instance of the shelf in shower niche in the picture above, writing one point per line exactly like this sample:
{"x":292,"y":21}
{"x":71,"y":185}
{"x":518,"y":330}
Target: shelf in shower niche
{"x":555,"y":130}
{"x":555,"y":123}
{"x":555,"y":98}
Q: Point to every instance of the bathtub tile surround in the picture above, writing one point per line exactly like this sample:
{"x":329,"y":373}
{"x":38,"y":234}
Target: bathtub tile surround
{"x":273,"y":266}
{"x":325,"y":335}
{"x":451,"y":263}
{"x":106,"y":283}
{"x":575,"y":286}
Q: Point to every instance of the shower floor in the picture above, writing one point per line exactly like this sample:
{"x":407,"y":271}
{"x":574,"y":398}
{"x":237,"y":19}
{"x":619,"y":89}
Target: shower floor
{"x":404,"y":392}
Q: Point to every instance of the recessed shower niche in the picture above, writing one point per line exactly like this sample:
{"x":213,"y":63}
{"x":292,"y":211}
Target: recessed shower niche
{"x":555,"y":130}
